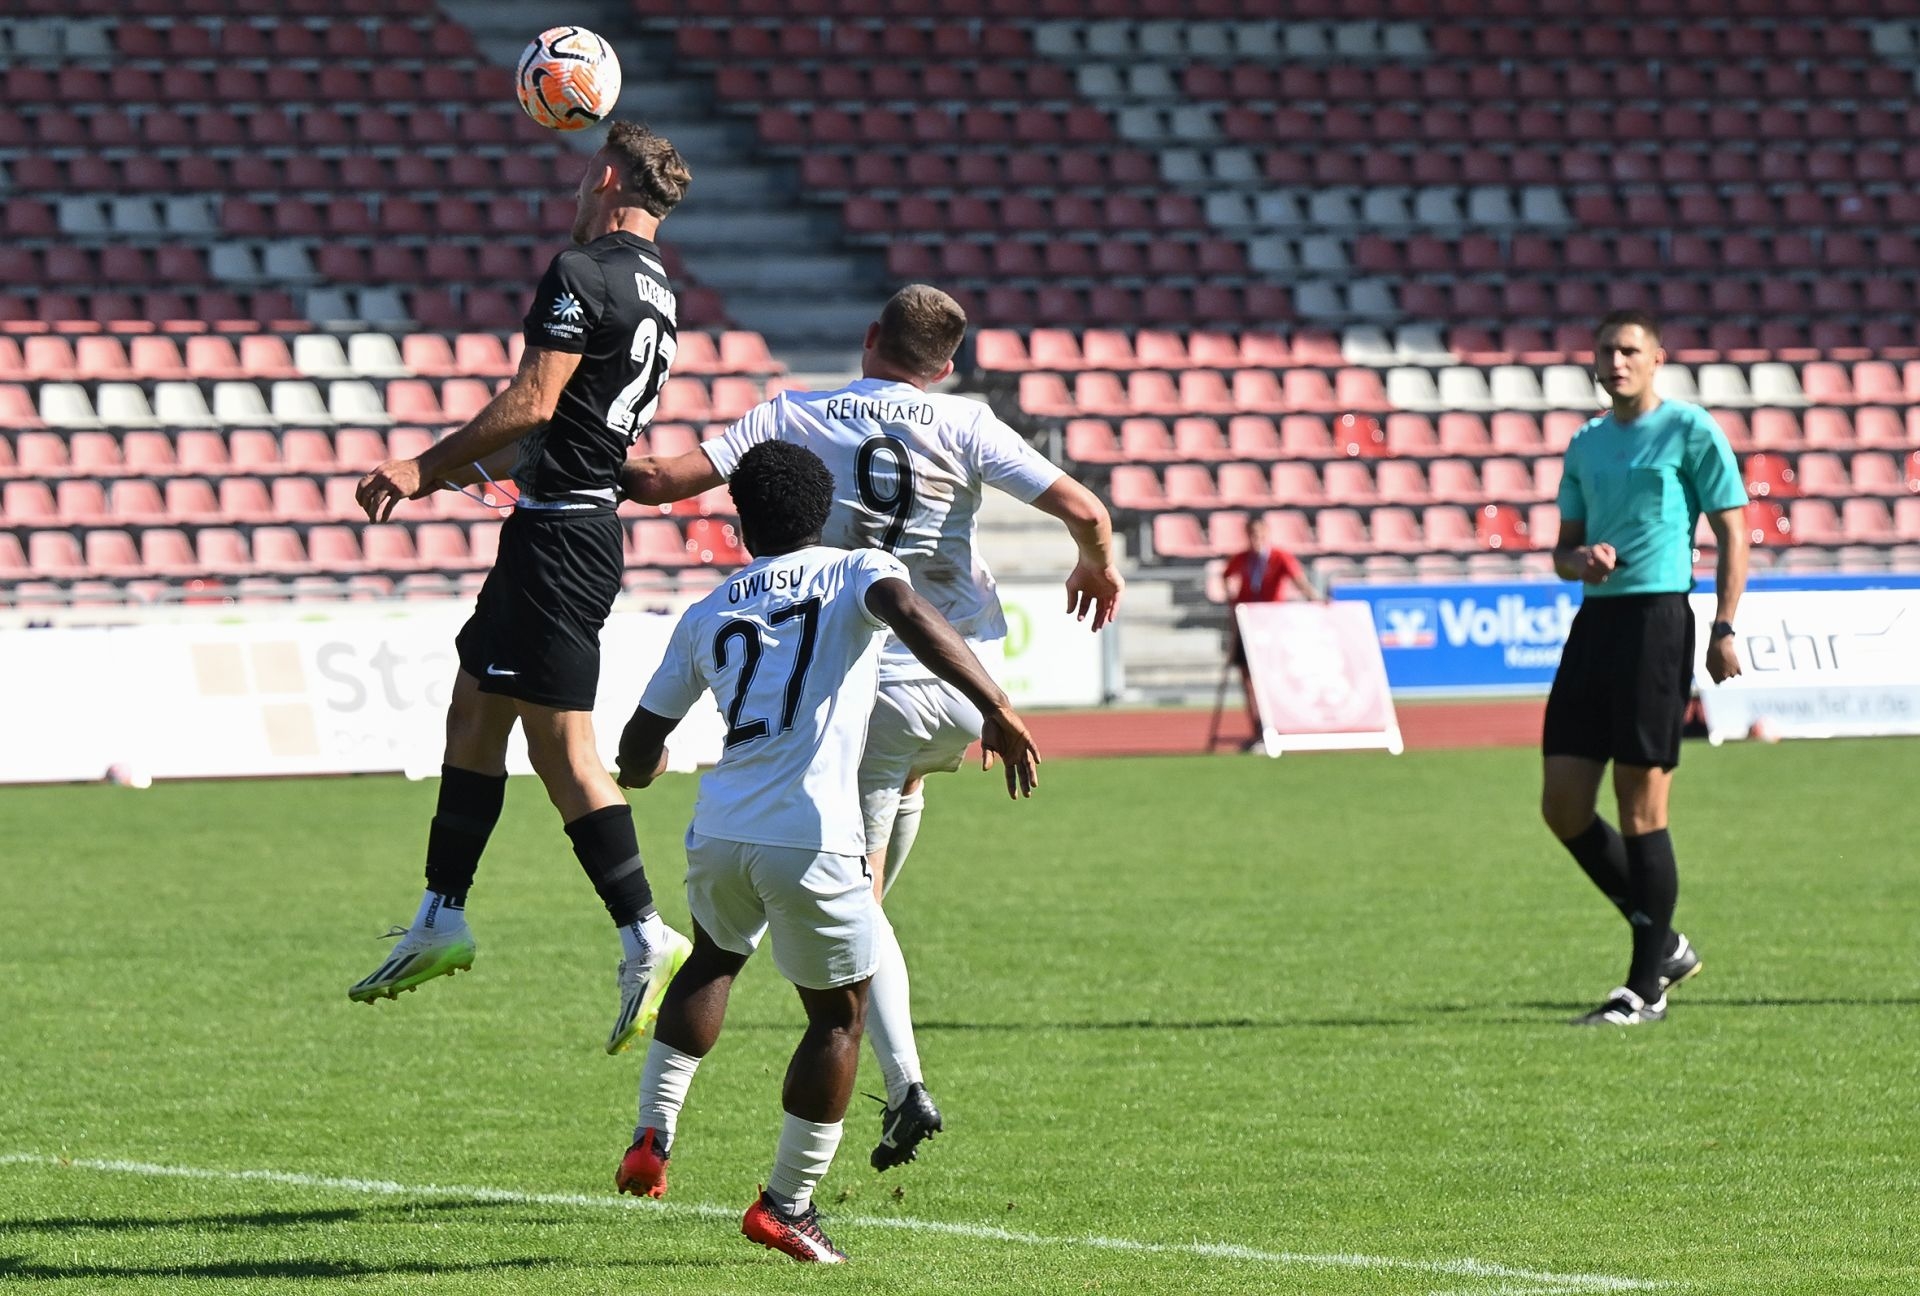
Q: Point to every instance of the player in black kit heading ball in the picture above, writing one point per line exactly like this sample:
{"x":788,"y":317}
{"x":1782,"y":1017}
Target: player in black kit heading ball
{"x":600,"y":341}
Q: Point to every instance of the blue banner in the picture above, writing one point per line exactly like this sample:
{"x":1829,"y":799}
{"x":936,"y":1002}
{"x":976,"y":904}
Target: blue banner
{"x":1505,"y":637}
{"x":1470,"y":638}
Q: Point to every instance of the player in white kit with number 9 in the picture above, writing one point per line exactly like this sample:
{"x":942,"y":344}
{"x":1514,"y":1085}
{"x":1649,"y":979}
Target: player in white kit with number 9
{"x":909,"y":467}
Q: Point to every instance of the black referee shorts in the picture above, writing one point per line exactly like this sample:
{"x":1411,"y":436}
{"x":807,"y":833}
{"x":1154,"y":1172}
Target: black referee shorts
{"x":535,"y":631}
{"x":1624,"y":679}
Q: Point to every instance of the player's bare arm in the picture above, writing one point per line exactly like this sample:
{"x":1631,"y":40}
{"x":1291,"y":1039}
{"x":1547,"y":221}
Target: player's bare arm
{"x":652,"y":479}
{"x":643,"y":748}
{"x":941,"y":650}
{"x":1576,"y":560}
{"x":492,"y":468}
{"x":527,"y":403}
{"x":1730,"y":582}
{"x":1095,"y":583}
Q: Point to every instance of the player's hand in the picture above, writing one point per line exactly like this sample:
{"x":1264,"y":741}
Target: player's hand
{"x":630,"y":776}
{"x":1004,"y":735}
{"x":1723,"y":663}
{"x":1096,"y":590}
{"x":1600,"y":563}
{"x":383,"y":488}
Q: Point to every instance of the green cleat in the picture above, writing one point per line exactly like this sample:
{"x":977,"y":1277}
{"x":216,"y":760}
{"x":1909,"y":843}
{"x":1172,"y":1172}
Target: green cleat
{"x":643,"y":984}
{"x":420,"y":956}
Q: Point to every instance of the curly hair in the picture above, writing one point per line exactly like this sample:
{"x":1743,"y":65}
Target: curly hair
{"x":783,"y":494}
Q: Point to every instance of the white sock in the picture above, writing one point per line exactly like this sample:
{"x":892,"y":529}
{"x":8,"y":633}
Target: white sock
{"x":906,"y":827}
{"x":439,"y":913}
{"x":663,"y":1088}
{"x":890,"y":1019}
{"x":806,"y":1150}
{"x":637,"y":940}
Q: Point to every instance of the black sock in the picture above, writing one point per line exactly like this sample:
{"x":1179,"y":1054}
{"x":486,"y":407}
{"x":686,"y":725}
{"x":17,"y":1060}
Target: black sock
{"x":1603,"y":854}
{"x":469,"y":808}
{"x":1653,"y":887}
{"x":610,"y":853}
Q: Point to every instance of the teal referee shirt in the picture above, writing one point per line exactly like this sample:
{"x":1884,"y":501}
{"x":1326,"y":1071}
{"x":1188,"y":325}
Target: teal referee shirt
{"x":1642,"y":486}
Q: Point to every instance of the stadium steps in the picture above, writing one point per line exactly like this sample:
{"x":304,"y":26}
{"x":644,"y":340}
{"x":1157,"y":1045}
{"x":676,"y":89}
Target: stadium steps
{"x":784,"y":271}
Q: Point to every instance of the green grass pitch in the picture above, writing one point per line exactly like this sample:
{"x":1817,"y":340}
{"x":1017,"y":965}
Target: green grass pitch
{"x":1223,"y":1025}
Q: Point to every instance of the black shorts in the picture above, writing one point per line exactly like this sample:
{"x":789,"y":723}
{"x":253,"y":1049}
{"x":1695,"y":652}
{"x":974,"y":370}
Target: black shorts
{"x":535,"y":631}
{"x":1624,"y":679}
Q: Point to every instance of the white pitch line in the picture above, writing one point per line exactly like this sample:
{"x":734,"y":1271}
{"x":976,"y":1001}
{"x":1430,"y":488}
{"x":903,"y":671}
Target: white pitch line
{"x":1533,"y":1280}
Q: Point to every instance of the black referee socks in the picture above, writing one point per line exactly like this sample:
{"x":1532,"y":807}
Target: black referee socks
{"x":1653,"y":881}
{"x":605,"y":844}
{"x":1602,"y":852}
{"x":468,"y":809}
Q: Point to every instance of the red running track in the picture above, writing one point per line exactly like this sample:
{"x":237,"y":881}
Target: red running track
{"x":1170,"y":731}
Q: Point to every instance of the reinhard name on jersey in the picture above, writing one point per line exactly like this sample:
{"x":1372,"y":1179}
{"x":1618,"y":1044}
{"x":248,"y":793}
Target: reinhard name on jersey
{"x":884,"y":411}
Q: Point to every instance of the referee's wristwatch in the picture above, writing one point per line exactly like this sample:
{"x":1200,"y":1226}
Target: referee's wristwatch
{"x":1721,"y":630}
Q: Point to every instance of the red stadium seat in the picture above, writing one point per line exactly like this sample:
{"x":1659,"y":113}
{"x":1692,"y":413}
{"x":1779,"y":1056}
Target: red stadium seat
{"x":1147,"y":440}
{"x":1499,"y":526}
{"x":1092,"y":441}
{"x":1175,"y":535}
{"x":1813,"y":522}
{"x":1770,"y":476}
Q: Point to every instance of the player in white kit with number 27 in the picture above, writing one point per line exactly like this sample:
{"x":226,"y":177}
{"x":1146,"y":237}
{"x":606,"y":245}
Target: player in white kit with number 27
{"x":790,"y":647}
{"x":909,"y":466}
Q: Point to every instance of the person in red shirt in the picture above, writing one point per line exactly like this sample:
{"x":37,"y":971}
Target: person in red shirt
{"x":1260,"y":574}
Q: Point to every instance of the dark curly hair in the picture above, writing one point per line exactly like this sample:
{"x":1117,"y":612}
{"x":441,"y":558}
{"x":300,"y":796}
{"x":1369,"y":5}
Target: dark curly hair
{"x":783,"y":494}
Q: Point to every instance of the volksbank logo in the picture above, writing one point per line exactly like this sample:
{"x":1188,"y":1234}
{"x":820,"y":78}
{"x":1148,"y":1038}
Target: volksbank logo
{"x":1408,"y":623}
{"x":1529,"y":634}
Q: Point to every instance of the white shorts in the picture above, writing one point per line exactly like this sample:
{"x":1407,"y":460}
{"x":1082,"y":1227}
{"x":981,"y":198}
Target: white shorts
{"x":918,"y":727}
{"x":820,"y":908}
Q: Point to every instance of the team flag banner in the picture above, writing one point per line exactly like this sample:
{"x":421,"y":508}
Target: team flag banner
{"x":1816,"y":664}
{"x":1318,"y":677}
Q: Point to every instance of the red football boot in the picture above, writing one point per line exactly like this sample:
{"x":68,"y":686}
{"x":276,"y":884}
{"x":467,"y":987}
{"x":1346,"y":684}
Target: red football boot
{"x":643,"y":1170}
{"x":796,"y":1235}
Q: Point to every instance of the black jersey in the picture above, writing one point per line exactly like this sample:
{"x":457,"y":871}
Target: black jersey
{"x":610,"y":303}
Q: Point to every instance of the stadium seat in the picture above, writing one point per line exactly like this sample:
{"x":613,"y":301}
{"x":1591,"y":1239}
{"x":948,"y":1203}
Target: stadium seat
{"x":1502,"y":527}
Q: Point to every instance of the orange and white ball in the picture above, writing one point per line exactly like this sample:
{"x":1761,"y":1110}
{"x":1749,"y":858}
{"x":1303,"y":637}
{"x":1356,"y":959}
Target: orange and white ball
{"x":568,"y":79}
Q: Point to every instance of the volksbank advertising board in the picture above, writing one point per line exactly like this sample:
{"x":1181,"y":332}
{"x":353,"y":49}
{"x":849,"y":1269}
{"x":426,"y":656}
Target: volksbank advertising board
{"x":1480,"y":638}
{"x":1506,"y":637}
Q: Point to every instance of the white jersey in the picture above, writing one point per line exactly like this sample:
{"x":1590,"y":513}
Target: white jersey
{"x":792,"y":655}
{"x":908,"y":467}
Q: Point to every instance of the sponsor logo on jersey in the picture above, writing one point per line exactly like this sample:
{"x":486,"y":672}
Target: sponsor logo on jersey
{"x":567,"y":307}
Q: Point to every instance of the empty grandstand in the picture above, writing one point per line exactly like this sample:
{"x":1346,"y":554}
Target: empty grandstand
{"x":1334,"y":265}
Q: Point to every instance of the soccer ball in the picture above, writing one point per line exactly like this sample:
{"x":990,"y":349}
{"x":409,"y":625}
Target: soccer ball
{"x":569,"y":79}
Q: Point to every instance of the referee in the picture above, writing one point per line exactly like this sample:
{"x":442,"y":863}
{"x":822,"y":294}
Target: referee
{"x":600,"y":339}
{"x":1637,"y":480}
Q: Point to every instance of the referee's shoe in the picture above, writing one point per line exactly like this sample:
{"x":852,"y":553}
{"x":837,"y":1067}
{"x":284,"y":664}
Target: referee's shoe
{"x":1624,"y":1008}
{"x":1682,"y":963}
